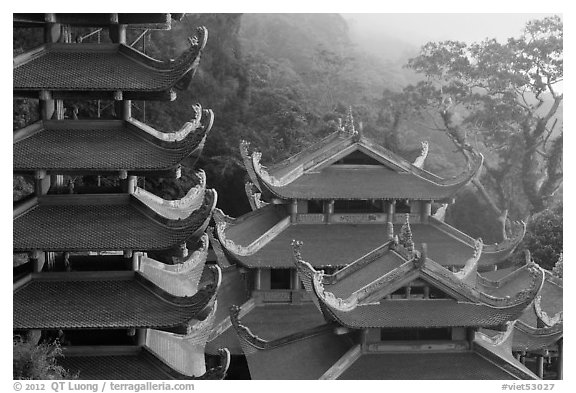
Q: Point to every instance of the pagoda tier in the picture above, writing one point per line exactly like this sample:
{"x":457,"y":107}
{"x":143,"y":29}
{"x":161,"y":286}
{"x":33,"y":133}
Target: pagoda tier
{"x":180,"y":279}
{"x":261,"y":239}
{"x":365,"y":293}
{"x":139,"y":221}
{"x":130,"y":363}
{"x":541,"y":325}
{"x":103,"y":146}
{"x":115,"y":300}
{"x":331,"y":352}
{"x":103,"y":71}
{"x":348,"y":166}
{"x":150,"y":21}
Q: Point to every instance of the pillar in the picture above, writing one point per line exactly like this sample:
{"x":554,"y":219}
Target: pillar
{"x":38,"y":259}
{"x":408,"y":291}
{"x":328,"y":210}
{"x":141,"y":337}
{"x":136,"y":261}
{"x":117,"y":33}
{"x":41,"y":182}
{"x":293,"y":210}
{"x":131,"y":184}
{"x":391,"y":208}
{"x":47,"y":106}
{"x":257,"y":279}
{"x":540,"y":359}
{"x":296,"y":284}
{"x":426,"y":211}
{"x":426,"y":292}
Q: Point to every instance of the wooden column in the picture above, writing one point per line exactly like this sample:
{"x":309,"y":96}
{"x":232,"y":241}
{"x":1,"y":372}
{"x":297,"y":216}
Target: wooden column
{"x":391,"y":209}
{"x":257,"y":279}
{"x":38,"y":259}
{"x":141,"y":337}
{"x":426,"y":211}
{"x":293,"y":210}
{"x":296,"y":285}
{"x":540,"y":360}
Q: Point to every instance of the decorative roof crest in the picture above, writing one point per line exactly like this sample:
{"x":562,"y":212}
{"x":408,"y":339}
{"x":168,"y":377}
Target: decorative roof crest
{"x":502,"y":338}
{"x":543,"y":316}
{"x":329,"y":298}
{"x":419,"y":162}
{"x":175,"y":209}
{"x":471,"y":265}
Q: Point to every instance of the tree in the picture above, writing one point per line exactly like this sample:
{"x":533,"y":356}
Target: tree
{"x":503,"y":100}
{"x":37,"y":361}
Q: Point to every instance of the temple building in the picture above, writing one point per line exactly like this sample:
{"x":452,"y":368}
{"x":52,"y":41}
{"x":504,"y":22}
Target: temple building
{"x":341,"y":271}
{"x":117,"y":274}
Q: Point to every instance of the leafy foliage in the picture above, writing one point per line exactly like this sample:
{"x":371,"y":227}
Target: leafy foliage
{"x":37,"y":361}
{"x":502,"y":100}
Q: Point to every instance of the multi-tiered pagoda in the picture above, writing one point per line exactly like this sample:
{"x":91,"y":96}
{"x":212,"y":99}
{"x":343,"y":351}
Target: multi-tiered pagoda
{"x":93,"y":281}
{"x":390,"y":291}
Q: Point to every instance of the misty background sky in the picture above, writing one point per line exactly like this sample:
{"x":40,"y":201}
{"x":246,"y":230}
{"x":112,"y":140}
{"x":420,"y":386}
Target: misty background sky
{"x":377,"y":30}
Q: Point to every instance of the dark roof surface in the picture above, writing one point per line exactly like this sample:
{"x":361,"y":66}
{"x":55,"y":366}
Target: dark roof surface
{"x":82,"y":68}
{"x":341,"y":244}
{"x":99,"y":146}
{"x":271,"y":321}
{"x":425,"y":313}
{"x":341,"y":182}
{"x":422,"y":365}
{"x":111,"y":301}
{"x":102,"y":222}
{"x":306,"y":359}
{"x":138,"y":365}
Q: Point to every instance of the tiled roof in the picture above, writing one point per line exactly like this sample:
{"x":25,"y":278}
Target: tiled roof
{"x":340,"y":244}
{"x":151,"y":21}
{"x":80,"y":300}
{"x":96,"y":146}
{"x":422,"y":365}
{"x":103,"y":222}
{"x":343,"y":182}
{"x":306,"y":359}
{"x":271,"y":321}
{"x":313,"y":174}
{"x":425,"y":313}
{"x":101,"y":69}
{"x":128,"y":363}
{"x":140,"y":364}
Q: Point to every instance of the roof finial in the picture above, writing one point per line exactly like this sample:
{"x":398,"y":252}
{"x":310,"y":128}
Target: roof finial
{"x":349,"y":124}
{"x":406,"y":235}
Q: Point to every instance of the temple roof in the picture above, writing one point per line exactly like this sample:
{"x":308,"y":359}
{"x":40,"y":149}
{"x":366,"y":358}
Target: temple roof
{"x":104,"y":300}
{"x":138,"y":221}
{"x":541,"y":325}
{"x":357,"y":295}
{"x":262,"y":239}
{"x":135,"y":363}
{"x":106,"y":71}
{"x":422,"y":365}
{"x":322,"y":172}
{"x":101,"y":146}
{"x":157,"y":21}
{"x":297,"y":344}
{"x":336,"y":353}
